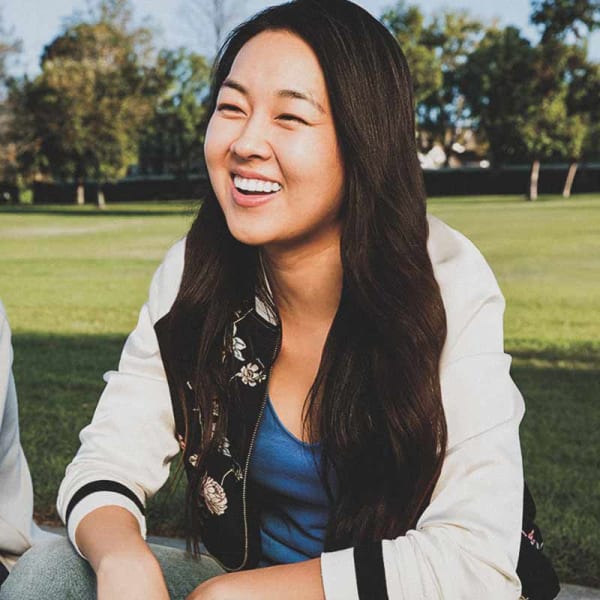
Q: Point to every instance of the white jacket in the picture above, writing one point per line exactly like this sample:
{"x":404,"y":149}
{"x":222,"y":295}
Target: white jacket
{"x":465,"y":544}
{"x":18,"y":532}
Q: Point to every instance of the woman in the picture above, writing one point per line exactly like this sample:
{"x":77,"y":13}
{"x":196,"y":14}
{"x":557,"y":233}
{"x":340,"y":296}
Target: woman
{"x":329,"y":359}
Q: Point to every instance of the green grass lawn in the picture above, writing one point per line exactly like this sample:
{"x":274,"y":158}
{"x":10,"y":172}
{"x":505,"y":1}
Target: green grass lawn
{"x":73,"y":279}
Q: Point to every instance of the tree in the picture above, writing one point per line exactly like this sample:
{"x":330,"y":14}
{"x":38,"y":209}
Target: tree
{"x":567,"y":73}
{"x":553,"y":132}
{"x":407,"y":25}
{"x":583,"y":94}
{"x":9,"y":48}
{"x":519,"y":94}
{"x":550,"y":133}
{"x":211,"y":19}
{"x":444,"y":114}
{"x":498,"y":82}
{"x":434,"y":49}
{"x":173,"y":138}
{"x":558,"y":18}
{"x":95,"y":92}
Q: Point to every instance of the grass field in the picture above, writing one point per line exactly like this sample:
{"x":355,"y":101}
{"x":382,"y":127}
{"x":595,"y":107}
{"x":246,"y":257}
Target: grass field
{"x":73,"y":279}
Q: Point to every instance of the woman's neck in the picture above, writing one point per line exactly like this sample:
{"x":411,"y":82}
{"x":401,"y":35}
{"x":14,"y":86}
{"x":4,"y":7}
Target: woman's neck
{"x":306,"y":281}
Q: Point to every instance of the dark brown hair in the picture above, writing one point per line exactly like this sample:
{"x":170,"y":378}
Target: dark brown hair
{"x":379,"y":415}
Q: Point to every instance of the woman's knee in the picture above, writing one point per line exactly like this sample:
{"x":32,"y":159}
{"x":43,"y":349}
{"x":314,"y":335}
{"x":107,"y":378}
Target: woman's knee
{"x":47,"y":571}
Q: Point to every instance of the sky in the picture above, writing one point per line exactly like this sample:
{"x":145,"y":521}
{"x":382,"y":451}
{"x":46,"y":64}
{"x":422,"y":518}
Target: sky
{"x":37,"y":22}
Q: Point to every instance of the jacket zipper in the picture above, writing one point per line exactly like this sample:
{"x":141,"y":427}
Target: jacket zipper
{"x":251,"y":447}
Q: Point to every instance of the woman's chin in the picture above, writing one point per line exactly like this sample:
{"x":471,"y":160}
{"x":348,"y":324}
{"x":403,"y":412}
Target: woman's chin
{"x":251,"y":236}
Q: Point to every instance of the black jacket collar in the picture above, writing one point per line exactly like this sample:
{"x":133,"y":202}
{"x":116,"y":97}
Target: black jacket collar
{"x":227,"y":501}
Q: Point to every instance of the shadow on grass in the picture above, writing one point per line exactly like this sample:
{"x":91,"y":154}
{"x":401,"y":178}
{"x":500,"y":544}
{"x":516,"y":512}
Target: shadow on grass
{"x":559,"y":438}
{"x":113,"y":211}
{"x":584,"y":353}
{"x":59,"y":379}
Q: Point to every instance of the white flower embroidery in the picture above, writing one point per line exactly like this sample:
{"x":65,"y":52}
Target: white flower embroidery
{"x":251,"y":374}
{"x":214,"y":496}
{"x":237,"y":472}
{"x":224,"y":447}
{"x":193,"y":460}
{"x":238,"y":345}
{"x":215,"y":412}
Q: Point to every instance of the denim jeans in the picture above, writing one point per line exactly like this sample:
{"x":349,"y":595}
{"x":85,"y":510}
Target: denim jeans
{"x":54,"y":571}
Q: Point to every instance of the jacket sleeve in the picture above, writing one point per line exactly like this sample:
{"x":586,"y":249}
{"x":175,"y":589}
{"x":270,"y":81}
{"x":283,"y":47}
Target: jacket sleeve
{"x":125,"y":452}
{"x":466,"y":543}
{"x":16,"y":494}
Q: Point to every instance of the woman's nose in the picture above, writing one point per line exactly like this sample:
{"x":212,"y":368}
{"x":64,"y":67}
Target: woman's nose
{"x":251,"y":143}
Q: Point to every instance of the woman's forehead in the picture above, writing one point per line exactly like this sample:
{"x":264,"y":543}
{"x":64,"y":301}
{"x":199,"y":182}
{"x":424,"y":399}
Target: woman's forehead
{"x":279,"y":62}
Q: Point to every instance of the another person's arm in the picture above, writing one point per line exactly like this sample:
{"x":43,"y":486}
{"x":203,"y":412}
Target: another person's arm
{"x":17,"y":528}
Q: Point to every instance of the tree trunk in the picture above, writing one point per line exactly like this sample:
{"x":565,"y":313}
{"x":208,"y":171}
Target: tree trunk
{"x":569,"y":181}
{"x":533,"y":182}
{"x":80,"y":194}
{"x":101,"y":200}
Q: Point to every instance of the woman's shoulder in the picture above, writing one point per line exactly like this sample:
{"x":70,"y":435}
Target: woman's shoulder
{"x":467,"y":285}
{"x":166,"y":281}
{"x":453,"y":254}
{"x":4,"y":326}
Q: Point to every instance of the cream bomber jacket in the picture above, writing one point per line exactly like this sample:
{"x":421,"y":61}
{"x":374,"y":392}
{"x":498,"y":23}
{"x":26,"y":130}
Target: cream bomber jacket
{"x":18,"y":532}
{"x":465,"y":544}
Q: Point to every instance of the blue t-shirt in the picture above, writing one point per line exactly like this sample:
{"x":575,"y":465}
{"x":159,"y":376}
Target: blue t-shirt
{"x":295,"y":507}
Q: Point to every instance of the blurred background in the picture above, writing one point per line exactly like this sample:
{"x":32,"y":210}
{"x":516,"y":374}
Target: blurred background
{"x":102,"y":118}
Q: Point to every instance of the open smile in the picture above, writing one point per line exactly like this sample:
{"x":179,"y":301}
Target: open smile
{"x":251,"y":192}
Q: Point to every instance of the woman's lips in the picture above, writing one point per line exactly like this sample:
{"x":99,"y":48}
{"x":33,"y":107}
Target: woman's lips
{"x":250,"y":200}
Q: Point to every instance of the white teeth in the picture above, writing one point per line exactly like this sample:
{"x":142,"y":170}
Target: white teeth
{"x":255,"y":185}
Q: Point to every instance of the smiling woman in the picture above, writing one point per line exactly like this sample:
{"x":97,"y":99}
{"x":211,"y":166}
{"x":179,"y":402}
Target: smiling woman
{"x":327,"y":358}
{"x":271,"y":146}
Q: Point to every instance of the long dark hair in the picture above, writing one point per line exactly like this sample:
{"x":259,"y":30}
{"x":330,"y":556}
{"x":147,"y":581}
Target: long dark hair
{"x":375,"y":405}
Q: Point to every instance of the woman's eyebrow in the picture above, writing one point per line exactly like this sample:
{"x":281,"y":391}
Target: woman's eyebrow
{"x":300,"y":96}
{"x":234,"y":85}
{"x":287,"y":93}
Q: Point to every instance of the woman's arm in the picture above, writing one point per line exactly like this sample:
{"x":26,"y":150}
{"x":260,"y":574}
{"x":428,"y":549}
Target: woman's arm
{"x":466,"y":543}
{"x":125,"y":451}
{"x":110,"y":538}
{"x":297,"y":581}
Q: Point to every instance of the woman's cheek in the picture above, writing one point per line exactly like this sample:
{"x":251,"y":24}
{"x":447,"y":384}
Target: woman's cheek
{"x":210,"y":141}
{"x":304,"y":155}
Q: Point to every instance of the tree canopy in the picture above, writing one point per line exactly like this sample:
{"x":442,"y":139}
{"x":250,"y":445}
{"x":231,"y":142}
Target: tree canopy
{"x":498,"y":81}
{"x":93,"y":95}
{"x":173,"y":138}
{"x":108,"y":98}
{"x":558,"y":18}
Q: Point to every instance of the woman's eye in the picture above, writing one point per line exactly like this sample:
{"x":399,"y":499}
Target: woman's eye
{"x":292,"y":118}
{"x":228,"y":108}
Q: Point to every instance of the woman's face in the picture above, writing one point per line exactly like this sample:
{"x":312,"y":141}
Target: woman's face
{"x":271,"y":147}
